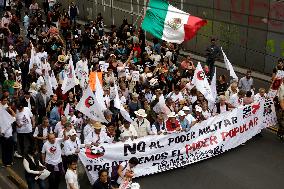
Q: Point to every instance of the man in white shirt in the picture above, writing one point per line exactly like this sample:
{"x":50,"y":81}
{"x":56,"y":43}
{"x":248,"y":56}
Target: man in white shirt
{"x":97,"y":136}
{"x":71,"y":175}
{"x":60,"y":126}
{"x":25,"y":124}
{"x":260,"y":96}
{"x":72,"y":145}
{"x":7,"y":142}
{"x":141,"y":124}
{"x":176,"y":95}
{"x":236,"y":100}
{"x":191,"y":120}
{"x":127,"y":131}
{"x":41,"y":132}
{"x":246,"y":83}
{"x":51,"y":156}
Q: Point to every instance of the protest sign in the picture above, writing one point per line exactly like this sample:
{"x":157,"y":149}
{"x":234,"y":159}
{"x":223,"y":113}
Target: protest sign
{"x":158,"y":153}
{"x":135,"y":76}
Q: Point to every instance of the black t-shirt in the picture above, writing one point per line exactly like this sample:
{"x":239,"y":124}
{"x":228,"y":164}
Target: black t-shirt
{"x":222,"y":88}
{"x":99,"y":185}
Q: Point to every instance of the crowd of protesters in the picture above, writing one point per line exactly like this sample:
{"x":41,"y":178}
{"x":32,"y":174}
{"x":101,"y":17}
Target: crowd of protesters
{"x":40,"y":122}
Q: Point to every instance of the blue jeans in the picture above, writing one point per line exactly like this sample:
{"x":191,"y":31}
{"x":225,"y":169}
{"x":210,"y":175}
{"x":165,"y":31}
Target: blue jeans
{"x":31,"y":182}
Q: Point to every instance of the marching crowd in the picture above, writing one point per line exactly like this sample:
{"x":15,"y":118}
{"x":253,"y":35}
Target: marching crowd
{"x":48,"y":131}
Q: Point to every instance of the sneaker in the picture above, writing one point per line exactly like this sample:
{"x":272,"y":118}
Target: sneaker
{"x":17,"y":155}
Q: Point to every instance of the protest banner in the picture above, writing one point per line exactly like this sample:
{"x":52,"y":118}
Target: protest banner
{"x":158,"y":153}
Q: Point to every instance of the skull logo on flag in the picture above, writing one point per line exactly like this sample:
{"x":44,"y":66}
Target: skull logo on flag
{"x":89,"y":102}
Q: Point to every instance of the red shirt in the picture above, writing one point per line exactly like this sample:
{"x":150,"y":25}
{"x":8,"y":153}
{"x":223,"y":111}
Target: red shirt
{"x":172,"y":126}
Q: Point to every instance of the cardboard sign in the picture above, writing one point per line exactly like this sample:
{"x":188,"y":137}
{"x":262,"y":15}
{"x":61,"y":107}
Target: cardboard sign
{"x":135,"y":76}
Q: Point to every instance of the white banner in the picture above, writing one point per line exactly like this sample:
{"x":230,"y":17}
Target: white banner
{"x":160,"y":153}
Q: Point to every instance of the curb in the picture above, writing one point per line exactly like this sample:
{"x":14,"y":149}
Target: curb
{"x":15,"y":178}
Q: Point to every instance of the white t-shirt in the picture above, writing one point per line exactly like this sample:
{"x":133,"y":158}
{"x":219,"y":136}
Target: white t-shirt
{"x":24,"y":121}
{"x":235,"y":100}
{"x":44,"y":132}
{"x":71,"y":177}
{"x":52,"y":152}
{"x":130,"y":132}
{"x":70,"y":147}
{"x":125,"y":167}
{"x":175,"y":97}
{"x":190,"y":119}
{"x":58,"y":128}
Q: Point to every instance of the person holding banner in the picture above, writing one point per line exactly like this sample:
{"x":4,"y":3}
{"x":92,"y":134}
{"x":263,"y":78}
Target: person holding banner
{"x":127,"y":131}
{"x":141,"y":124}
{"x":126,"y":170}
{"x":97,"y":135}
{"x":172,"y":124}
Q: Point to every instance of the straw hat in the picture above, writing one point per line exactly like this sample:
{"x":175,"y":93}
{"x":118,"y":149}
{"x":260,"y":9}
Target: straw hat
{"x":96,"y":125}
{"x":185,"y":108}
{"x":141,"y":113}
{"x":135,"y":95}
{"x":198,"y":109}
{"x":17,"y":85}
{"x":172,"y":115}
{"x":33,"y":87}
{"x":181,"y":113}
{"x":61,"y":58}
{"x":153,"y":82}
{"x":72,"y":132}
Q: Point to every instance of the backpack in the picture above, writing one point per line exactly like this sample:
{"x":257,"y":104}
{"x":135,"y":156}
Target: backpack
{"x":114,"y":173}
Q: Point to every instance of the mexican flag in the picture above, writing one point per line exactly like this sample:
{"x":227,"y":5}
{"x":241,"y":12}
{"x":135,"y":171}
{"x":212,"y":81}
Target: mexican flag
{"x":168,"y":23}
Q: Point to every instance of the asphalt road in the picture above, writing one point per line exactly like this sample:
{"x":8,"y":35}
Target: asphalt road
{"x":257,"y":165}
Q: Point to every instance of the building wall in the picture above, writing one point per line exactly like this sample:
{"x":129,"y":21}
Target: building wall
{"x":250,"y":31}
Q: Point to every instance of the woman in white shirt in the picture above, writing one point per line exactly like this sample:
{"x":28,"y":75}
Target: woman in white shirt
{"x":126,"y":170}
{"x":33,"y":168}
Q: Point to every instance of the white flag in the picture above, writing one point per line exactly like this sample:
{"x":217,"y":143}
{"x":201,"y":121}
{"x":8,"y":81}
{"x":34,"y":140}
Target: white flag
{"x":213,"y":85}
{"x":34,"y":60}
{"x":6,"y":120}
{"x":100,"y":93}
{"x":118,"y":105}
{"x":48,"y":84}
{"x":89,"y":106}
{"x":67,"y":109}
{"x":53,"y":81}
{"x":70,"y":80}
{"x":229,"y":66}
{"x":201,"y":83}
{"x":82,"y":73}
{"x":213,"y":90}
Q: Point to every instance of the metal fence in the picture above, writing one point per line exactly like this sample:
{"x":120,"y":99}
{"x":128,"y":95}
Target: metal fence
{"x":250,"y":31}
